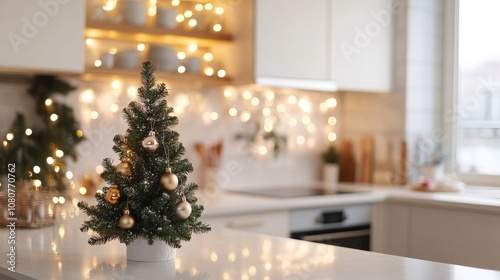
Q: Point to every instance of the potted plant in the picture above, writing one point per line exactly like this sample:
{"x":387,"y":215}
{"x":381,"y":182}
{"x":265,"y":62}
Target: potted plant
{"x":331,"y":159}
{"x":433,"y":165}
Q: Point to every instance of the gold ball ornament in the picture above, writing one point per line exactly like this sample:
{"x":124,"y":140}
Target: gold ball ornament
{"x":183,"y":209}
{"x":169,"y":180}
{"x":113,"y":195}
{"x":150,"y":143}
{"x":126,"y":220}
{"x":124,"y":168}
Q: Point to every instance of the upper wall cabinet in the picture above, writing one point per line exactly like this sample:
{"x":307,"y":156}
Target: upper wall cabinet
{"x":325,"y":44}
{"x":42,"y":36}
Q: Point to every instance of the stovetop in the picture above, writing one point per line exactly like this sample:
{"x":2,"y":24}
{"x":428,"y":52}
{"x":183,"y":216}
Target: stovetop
{"x":291,"y":192}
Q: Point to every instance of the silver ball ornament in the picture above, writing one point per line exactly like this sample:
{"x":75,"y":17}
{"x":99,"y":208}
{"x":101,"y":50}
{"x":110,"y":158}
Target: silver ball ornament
{"x":150,"y":143}
{"x":184,"y":209}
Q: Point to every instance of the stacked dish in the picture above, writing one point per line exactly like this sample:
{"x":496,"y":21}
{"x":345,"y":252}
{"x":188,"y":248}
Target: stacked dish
{"x":163,"y":57}
{"x":133,"y":12}
{"x":127,"y":59}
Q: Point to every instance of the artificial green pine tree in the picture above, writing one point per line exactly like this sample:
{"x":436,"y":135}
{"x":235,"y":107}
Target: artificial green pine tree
{"x":56,"y":137}
{"x":138,"y":200}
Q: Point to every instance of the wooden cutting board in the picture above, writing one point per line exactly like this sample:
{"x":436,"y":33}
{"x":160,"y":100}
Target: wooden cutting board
{"x":367,"y":159}
{"x":347,"y":163}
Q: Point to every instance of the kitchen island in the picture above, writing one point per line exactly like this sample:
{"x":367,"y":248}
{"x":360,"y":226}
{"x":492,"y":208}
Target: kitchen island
{"x":61,"y":252}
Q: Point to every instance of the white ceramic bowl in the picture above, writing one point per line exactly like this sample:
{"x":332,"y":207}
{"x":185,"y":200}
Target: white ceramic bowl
{"x":133,"y":12}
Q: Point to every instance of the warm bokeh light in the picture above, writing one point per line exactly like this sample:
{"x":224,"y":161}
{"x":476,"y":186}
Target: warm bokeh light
{"x":54,"y":117}
{"x":141,"y":47}
{"x":209,"y":71}
{"x":69,"y":175}
{"x":255,"y":101}
{"x":301,"y":140}
{"x":50,"y":160}
{"x":219,"y":10}
{"x":83,"y":190}
{"x":193,"y":47}
{"x":221,"y":73}
{"x":192,"y":22}
{"x":59,"y":153}
{"x":228,"y":93}
{"x":87,"y":96}
{"x":179,"y":18}
{"x":208,"y":57}
{"x":116,"y":84}
{"x":114,"y":108}
{"x":48,"y":102}
{"x":331,"y":102}
{"x":245,"y":116}
{"x":332,"y":136}
{"x":97,"y":63}
{"x":292,"y":99}
{"x":332,"y":121}
{"x":94,"y":115}
{"x":28,"y":131}
{"x":181,"y":55}
{"x":9,"y":136}
{"x":217,"y":27}
{"x":181,"y":69}
{"x":247,"y":95}
{"x":214,"y":116}
{"x":233,"y":112}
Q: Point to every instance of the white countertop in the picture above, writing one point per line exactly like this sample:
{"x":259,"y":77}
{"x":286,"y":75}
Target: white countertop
{"x":472,"y":198}
{"x":61,"y":252}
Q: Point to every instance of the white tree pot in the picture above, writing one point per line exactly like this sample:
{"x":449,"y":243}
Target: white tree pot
{"x":141,"y":251}
{"x":331,"y":176}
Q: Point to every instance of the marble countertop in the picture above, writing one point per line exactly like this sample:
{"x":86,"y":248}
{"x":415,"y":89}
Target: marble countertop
{"x":61,"y":252}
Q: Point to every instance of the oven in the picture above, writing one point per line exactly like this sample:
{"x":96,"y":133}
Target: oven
{"x":345,"y":226}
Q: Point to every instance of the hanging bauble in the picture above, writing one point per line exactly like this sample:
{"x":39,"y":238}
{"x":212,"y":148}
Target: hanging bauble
{"x":124,"y":168}
{"x":150,"y":143}
{"x":183,"y":209}
{"x":126,"y":220}
{"x":113,"y":195}
{"x":169,"y":180}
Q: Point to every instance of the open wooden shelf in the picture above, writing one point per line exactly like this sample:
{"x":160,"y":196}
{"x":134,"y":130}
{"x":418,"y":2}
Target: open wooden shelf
{"x":152,"y":34}
{"x":169,"y":78}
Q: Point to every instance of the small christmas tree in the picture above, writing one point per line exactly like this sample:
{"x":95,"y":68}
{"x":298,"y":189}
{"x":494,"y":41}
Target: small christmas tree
{"x":148,"y":195}
{"x":40,"y":152}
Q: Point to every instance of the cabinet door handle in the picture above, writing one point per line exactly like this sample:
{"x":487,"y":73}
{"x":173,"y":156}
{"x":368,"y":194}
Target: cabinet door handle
{"x":245,"y":224}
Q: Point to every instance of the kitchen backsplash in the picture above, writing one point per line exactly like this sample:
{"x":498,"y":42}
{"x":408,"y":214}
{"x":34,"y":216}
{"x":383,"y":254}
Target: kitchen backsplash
{"x":308,"y":120}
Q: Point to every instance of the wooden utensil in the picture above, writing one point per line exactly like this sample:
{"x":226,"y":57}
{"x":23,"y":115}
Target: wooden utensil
{"x":367,"y":159}
{"x":200,"y":148}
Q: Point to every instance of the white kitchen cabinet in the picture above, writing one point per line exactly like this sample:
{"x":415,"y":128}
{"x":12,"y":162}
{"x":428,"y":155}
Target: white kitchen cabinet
{"x":271,"y":223}
{"x":457,"y":236}
{"x":42,"y":36}
{"x":324,"y":44}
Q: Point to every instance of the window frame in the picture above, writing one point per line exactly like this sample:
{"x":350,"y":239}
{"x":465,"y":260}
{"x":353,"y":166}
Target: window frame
{"x":449,"y":118}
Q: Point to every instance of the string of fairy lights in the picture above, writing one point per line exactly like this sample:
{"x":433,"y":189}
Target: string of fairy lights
{"x":189,"y":16}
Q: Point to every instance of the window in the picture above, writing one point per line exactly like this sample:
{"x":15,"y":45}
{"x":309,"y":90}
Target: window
{"x":477,"y":104}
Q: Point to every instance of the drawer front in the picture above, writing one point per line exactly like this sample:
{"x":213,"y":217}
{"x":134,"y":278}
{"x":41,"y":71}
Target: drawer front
{"x":275,"y":223}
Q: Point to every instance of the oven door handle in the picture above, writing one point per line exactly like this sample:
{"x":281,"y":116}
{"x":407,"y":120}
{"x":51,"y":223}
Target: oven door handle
{"x":331,"y":217}
{"x":336,"y":235}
